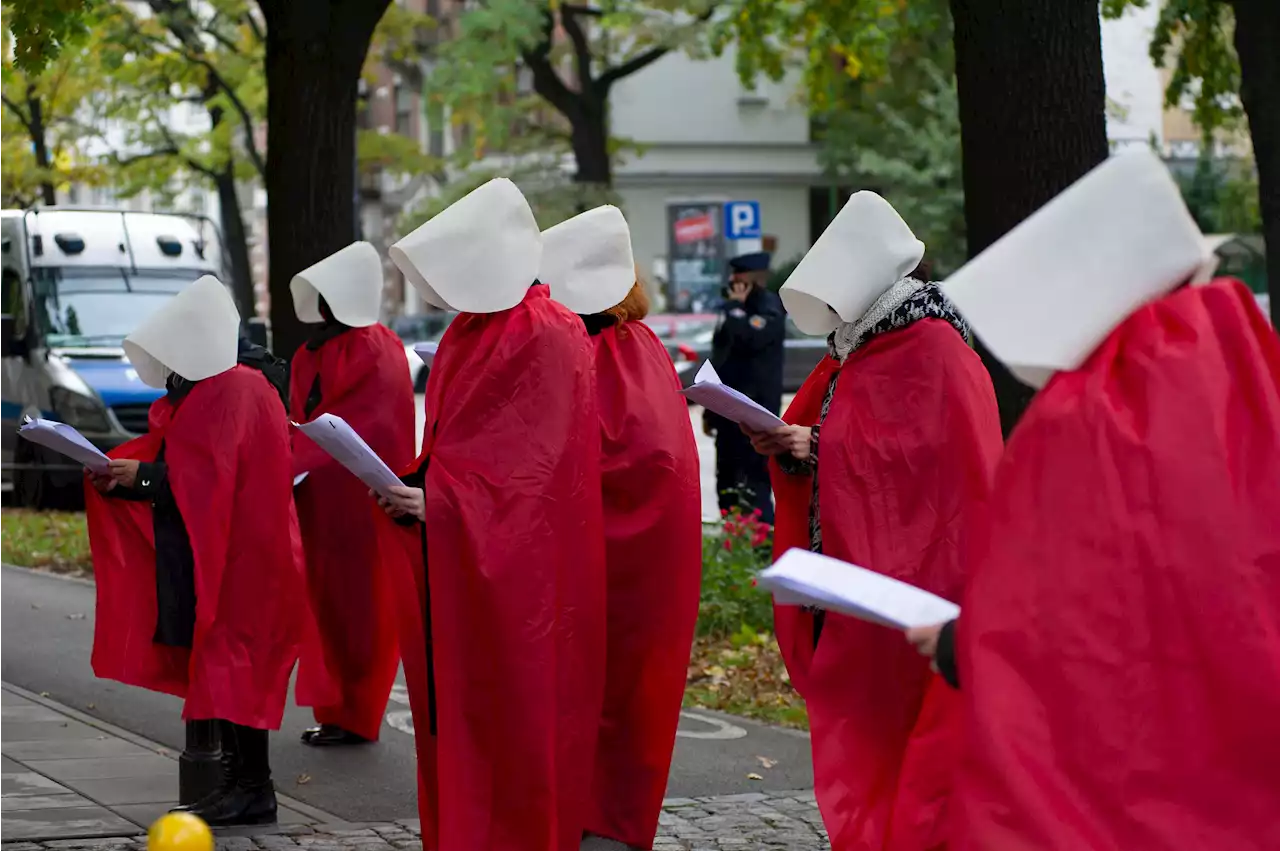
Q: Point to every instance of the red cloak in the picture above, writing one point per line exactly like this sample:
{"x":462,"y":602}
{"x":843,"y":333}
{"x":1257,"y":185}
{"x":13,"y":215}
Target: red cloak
{"x":227,"y":449}
{"x":653,"y":543}
{"x":792,"y":496}
{"x":362,"y":381}
{"x":906,"y":456}
{"x":1120,"y":641}
{"x":514,"y":584}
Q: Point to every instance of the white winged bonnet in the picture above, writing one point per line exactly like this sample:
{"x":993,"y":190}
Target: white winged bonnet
{"x":478,"y":256}
{"x":1048,"y":293}
{"x":350,"y":281}
{"x":865,"y":250}
{"x":196,"y":334}
{"x":587,"y":260}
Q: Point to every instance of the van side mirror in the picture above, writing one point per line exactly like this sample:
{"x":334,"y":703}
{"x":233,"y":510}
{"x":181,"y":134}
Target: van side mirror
{"x":7,"y":326}
{"x":257,"y":330}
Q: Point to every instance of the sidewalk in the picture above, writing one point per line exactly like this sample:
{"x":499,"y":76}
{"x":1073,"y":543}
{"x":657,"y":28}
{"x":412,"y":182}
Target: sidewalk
{"x":73,"y":782}
{"x":69,"y":776}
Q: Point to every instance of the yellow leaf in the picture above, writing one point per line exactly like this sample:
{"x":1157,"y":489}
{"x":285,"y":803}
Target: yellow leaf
{"x":304,"y":779}
{"x":754,"y":776}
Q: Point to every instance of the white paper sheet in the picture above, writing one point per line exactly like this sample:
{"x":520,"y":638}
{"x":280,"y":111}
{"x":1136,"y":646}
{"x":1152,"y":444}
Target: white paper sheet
{"x":333,"y":435}
{"x":301,"y":477}
{"x":426,"y":351}
{"x":708,"y":391}
{"x":64,"y":440}
{"x":803,"y":578}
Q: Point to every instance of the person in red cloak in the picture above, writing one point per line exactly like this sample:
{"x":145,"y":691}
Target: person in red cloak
{"x":909,"y":437}
{"x":652,"y":521}
{"x":1119,"y":646}
{"x":354,"y":368}
{"x":195,"y":545}
{"x":501,"y":574}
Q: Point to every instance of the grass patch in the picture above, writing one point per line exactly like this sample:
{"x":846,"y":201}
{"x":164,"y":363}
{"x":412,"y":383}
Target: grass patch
{"x":743,"y":674}
{"x":50,"y":540}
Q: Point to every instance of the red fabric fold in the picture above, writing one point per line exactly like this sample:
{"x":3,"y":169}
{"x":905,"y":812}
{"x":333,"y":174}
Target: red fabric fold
{"x":1120,"y":650}
{"x":515,"y":574}
{"x":906,"y":456}
{"x":792,"y":495}
{"x":653,"y":541}
{"x":362,"y":380}
{"x":226,"y":447}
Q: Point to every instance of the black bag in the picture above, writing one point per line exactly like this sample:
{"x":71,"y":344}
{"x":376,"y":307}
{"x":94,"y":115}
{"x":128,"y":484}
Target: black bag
{"x":275,"y":369}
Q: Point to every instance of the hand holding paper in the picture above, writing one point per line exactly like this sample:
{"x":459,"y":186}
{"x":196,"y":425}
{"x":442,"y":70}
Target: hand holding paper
{"x":65,"y":440}
{"x":333,"y":435}
{"x":709,"y":392}
{"x":803,"y":578}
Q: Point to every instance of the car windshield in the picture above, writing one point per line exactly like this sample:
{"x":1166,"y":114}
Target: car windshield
{"x":99,"y":307}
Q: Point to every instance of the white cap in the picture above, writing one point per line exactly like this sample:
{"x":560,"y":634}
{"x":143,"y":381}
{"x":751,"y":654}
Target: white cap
{"x":866,"y":249}
{"x":587,"y":260}
{"x":195,"y":334}
{"x":479,"y":256}
{"x":1045,"y":295}
{"x":350,"y":281}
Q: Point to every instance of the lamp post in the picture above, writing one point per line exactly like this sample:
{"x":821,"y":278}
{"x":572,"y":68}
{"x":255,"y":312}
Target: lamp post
{"x":200,"y":766}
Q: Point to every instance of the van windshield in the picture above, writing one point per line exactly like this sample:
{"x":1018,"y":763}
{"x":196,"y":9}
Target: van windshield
{"x":82,"y":308}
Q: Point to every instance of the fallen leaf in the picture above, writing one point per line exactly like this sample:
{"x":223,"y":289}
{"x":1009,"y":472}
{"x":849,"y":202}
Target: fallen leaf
{"x":91,"y":706}
{"x":766,"y":762}
{"x":44,"y":694}
{"x":754,"y":776}
{"x":35,"y":605}
{"x":304,"y":779}
{"x":78,"y":616}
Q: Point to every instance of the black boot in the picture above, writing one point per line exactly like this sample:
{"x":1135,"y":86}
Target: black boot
{"x":230,"y":760}
{"x":328,"y":735}
{"x":252,"y":799}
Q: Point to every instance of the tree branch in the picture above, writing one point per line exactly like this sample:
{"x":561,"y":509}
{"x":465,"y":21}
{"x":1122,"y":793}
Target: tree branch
{"x":631,"y":66}
{"x":193,"y":51}
{"x":13,"y":107}
{"x":546,"y":81}
{"x":581,"y":47}
{"x":642,"y":60}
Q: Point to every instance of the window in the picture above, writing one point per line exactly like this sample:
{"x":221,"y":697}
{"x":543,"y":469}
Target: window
{"x":404,"y":110}
{"x":15,"y":303}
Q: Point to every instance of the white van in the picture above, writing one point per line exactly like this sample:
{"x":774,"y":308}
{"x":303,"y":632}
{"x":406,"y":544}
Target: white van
{"x":76,"y":282}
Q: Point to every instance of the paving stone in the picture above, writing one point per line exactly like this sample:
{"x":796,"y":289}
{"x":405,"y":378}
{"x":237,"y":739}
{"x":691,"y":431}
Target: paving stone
{"x":130,"y":790}
{"x":23,"y":783}
{"x":69,"y":748}
{"x":64,"y":823}
{"x":105,"y":768}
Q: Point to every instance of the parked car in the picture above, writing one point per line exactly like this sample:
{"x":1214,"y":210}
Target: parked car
{"x":423,"y":328}
{"x":688,"y":339}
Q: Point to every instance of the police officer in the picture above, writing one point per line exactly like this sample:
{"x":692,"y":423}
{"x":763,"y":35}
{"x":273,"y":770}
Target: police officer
{"x":747,"y":354}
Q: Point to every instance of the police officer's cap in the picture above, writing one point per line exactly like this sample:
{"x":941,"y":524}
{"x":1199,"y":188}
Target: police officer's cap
{"x":756,"y":261}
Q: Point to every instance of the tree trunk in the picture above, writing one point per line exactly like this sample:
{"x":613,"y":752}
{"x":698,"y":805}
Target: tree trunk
{"x":589,"y":137}
{"x":40,"y":146}
{"x":236,"y":240}
{"x":1258,"y":46}
{"x":314,"y":54}
{"x":1032,"y":121}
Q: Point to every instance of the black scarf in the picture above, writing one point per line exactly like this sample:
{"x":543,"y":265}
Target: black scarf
{"x":329,"y":330}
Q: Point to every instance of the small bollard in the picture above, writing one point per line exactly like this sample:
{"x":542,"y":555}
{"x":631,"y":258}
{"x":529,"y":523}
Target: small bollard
{"x":200,"y":766}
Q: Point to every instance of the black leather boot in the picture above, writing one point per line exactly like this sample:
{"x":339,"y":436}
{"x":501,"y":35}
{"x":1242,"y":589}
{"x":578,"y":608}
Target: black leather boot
{"x":230,"y":760}
{"x":251,"y":800}
{"x":328,"y":735}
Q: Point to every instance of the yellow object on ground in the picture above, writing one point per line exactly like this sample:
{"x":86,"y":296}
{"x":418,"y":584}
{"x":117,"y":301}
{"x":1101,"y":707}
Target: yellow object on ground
{"x":179,"y":832}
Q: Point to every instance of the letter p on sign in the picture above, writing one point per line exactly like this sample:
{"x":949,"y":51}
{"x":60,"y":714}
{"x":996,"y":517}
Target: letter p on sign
{"x":742,"y":220}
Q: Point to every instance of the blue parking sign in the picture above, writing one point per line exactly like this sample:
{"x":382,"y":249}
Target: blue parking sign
{"x":742,"y":220}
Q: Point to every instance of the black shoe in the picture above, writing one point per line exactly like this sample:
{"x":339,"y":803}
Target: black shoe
{"x":243,"y":805}
{"x":329,"y":735}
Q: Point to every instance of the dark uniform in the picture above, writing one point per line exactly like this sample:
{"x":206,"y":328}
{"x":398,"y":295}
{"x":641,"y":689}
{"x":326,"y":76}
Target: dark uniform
{"x":747,"y":354}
